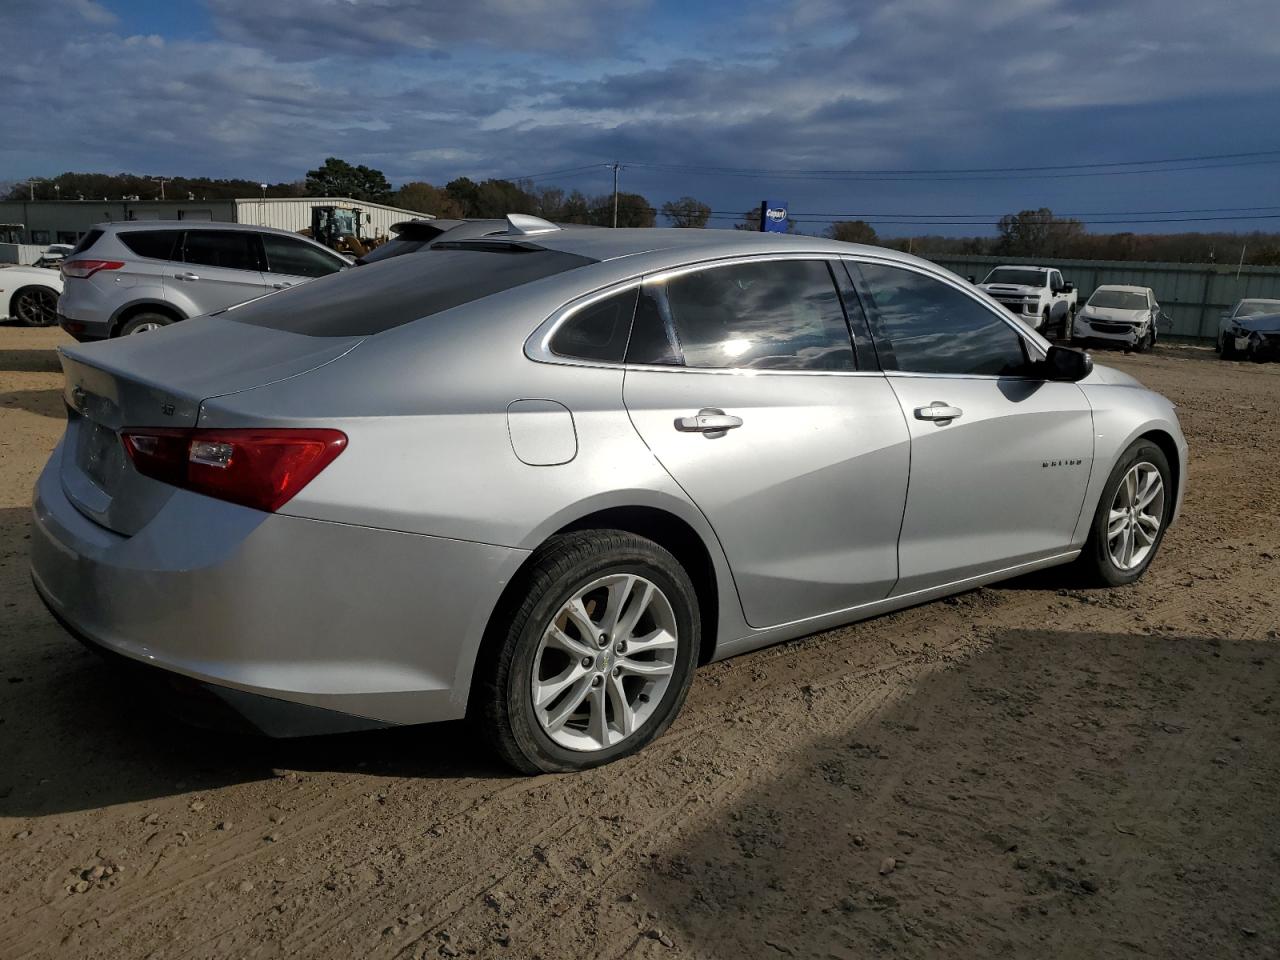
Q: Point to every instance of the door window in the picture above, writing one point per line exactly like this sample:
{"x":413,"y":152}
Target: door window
{"x":769,"y":315}
{"x":151,"y":244}
{"x":230,"y":249}
{"x":298,"y":258}
{"x":597,"y":332}
{"x":923,"y":325}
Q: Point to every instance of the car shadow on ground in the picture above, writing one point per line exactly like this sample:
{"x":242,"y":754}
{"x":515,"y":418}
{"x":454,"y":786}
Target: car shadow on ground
{"x":46,"y":403}
{"x":30,"y":361}
{"x":101,"y":742}
{"x":1058,"y":794}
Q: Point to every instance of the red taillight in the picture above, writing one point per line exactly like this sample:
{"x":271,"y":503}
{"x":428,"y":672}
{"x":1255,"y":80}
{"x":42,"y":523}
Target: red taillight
{"x":263,"y":469}
{"x":83,"y":269}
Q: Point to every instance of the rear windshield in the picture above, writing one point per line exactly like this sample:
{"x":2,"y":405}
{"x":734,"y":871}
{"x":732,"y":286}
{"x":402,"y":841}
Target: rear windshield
{"x":377,"y":297}
{"x":87,"y":241}
{"x":394,"y":248}
{"x":1022,"y":278}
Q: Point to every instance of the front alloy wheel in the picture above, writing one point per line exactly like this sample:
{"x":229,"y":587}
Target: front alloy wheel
{"x":1131,"y":517}
{"x":1136,"y":516}
{"x":590,"y":655}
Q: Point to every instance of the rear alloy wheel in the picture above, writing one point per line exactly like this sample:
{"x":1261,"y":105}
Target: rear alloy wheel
{"x":597,"y":659}
{"x":1131,"y":517}
{"x":144,"y":323}
{"x":36,"y":306}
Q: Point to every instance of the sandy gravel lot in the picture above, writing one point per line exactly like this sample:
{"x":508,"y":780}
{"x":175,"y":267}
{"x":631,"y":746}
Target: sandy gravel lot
{"x":1053,"y":772}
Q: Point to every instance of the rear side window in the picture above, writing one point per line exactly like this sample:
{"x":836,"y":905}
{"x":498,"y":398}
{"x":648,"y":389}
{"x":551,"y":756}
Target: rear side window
{"x":152,"y":244}
{"x":770,"y":315}
{"x":377,"y":297}
{"x":297,"y":257}
{"x":597,"y":332}
{"x":87,"y":241}
{"x":923,"y":325}
{"x":230,"y":249}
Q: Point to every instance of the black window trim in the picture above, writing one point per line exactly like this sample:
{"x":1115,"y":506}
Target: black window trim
{"x":538,"y":346}
{"x":1034,"y":349}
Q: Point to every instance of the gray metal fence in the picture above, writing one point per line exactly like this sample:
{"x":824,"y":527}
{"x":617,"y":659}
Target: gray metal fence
{"x":1192,"y":294}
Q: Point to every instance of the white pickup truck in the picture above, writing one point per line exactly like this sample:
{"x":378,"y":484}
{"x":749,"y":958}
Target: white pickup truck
{"x":1038,"y":296}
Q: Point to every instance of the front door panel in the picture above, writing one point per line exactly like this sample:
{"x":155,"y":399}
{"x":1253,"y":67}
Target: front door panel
{"x":806,"y":496}
{"x":1001,"y":483}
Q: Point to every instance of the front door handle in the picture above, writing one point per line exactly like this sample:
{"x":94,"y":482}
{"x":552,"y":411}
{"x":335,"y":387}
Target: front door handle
{"x":711,"y":422}
{"x":186,"y":275}
{"x":281,"y":285}
{"x":938,"y":412}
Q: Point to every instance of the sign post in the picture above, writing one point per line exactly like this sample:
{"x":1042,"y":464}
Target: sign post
{"x":773,"y":216}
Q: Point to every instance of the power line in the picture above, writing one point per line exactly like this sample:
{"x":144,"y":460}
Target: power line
{"x":790,"y":171}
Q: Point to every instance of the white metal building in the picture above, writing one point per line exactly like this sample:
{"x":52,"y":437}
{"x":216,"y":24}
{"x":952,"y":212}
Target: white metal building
{"x":30,"y":226}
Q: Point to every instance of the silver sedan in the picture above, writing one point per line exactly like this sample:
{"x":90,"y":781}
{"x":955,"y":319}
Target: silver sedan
{"x":537,"y":478}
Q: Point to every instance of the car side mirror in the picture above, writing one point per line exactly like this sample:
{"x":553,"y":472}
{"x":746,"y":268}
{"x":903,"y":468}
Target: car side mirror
{"x":1063,"y":363}
{"x":1068,"y":287}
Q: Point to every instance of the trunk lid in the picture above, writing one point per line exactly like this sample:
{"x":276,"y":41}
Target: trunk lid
{"x":159,"y":380}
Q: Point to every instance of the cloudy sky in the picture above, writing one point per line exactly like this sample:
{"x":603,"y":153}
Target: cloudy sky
{"x":433,"y":89}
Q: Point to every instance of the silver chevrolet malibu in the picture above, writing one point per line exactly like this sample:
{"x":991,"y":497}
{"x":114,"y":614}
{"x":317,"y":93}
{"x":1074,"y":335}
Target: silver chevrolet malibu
{"x":536,"y":478}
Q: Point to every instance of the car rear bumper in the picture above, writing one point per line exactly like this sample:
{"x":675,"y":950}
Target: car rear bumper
{"x":83,"y":330}
{"x":364,"y":626}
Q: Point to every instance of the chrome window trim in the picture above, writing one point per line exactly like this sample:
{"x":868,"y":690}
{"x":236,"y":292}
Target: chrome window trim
{"x":538,"y":346}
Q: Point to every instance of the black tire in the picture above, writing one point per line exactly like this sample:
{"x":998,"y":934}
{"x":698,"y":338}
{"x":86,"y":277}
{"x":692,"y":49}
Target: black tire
{"x":1045,"y":321}
{"x":35,"y":306}
{"x":1143,"y":344}
{"x":1095,"y":564}
{"x":1068,"y":322}
{"x":501,"y":696}
{"x":142,"y":323}
{"x":1226,"y":347}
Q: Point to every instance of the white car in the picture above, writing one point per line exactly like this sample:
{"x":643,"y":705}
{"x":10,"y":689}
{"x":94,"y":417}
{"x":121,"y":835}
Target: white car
{"x":1118,"y":314}
{"x":30,"y":295}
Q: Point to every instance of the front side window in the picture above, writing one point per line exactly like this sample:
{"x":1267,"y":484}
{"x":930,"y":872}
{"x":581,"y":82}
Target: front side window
{"x":297,"y":257}
{"x":230,"y":249}
{"x":923,"y":325}
{"x":767,"y":315}
{"x":597,"y":332}
{"x":151,"y":244}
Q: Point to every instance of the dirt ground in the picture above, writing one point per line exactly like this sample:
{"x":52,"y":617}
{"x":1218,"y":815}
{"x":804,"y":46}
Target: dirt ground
{"x":1053,"y":772}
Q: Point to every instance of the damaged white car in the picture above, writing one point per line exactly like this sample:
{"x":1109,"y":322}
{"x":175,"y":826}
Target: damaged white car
{"x":1121,"y":315}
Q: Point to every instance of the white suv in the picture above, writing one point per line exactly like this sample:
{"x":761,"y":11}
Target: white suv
{"x":132,"y":277}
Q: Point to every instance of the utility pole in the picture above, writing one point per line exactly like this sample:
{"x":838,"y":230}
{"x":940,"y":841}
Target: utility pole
{"x":162,"y":183}
{"x":31,"y":185}
{"x":1240,"y":265}
{"x":615,"y":194}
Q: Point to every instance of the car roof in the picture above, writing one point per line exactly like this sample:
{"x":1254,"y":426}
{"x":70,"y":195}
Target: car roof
{"x":686,"y":244}
{"x":1125,"y":288}
{"x":128,"y":226}
{"x":1259,"y":300}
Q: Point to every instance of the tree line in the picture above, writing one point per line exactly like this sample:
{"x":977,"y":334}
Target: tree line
{"x":1027,"y":233}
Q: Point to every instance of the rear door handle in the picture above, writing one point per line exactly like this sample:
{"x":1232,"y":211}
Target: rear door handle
{"x":281,"y":285}
{"x":186,"y":275}
{"x":709,"y":421}
{"x":938,"y":411}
